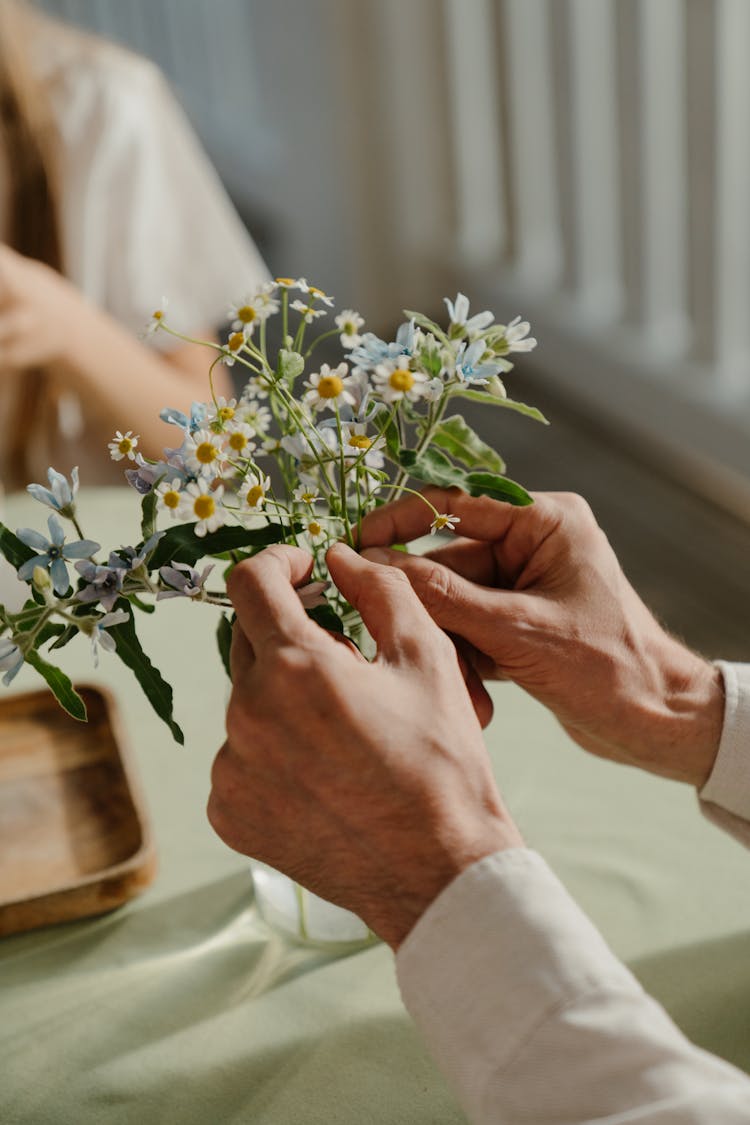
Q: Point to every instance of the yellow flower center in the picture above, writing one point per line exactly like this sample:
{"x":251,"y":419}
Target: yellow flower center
{"x":206,"y":452}
{"x":171,"y":499}
{"x":246,"y":314}
{"x":401,"y":379}
{"x":237,"y":441}
{"x":359,"y":441}
{"x":308,"y":497}
{"x":236,"y":340}
{"x":316,"y":292}
{"x":314,"y":528}
{"x":158,"y":315}
{"x":226,"y":413}
{"x":285,"y":281}
{"x":330,"y":386}
{"x":204,"y":506}
{"x":125,"y":446}
{"x":441,"y":522}
{"x":254,"y":494}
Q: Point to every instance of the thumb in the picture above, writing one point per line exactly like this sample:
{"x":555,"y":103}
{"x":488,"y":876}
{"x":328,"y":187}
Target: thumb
{"x":390,"y":609}
{"x":476,"y":613}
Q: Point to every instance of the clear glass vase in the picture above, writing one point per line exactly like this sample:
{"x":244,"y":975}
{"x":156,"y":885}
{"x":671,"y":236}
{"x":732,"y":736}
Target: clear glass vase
{"x":303,"y":916}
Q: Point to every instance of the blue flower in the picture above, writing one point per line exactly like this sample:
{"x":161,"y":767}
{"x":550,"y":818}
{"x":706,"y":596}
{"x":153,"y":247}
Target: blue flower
{"x":104,"y":583}
{"x":372,"y":350}
{"x":146,"y":476}
{"x":469,"y":367}
{"x":60,"y":495}
{"x":99,"y":636}
{"x":11,"y":659}
{"x":53,"y":552}
{"x":186,"y":581}
{"x":129,"y":559}
{"x":189,"y":425}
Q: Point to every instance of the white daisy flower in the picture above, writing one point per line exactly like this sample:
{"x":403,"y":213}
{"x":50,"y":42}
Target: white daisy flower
{"x":394,"y":381}
{"x":319,"y":295}
{"x":255,"y":388}
{"x":307,"y":312}
{"x":123,"y":445}
{"x":315,"y":530}
{"x":349,"y":323}
{"x":158,"y":317}
{"x":204,"y":452}
{"x":253,"y":491}
{"x":306,"y":494}
{"x":237,"y":437}
{"x":221,"y":410}
{"x":233,"y":347}
{"x":202,"y":503}
{"x":169,"y":496}
{"x":293,"y":283}
{"x":443,"y":521}
{"x":329,"y":387}
{"x":258,"y":418}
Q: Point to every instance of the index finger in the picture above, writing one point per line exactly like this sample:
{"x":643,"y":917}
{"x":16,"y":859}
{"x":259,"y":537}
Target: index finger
{"x":263,"y":592}
{"x":408,"y":518}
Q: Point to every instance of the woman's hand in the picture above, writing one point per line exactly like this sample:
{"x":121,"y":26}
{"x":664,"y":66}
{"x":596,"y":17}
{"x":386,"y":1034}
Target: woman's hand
{"x":40,"y":312}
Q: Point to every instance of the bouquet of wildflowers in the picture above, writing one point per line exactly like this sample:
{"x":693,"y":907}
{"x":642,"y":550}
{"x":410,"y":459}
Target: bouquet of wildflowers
{"x":304,"y":452}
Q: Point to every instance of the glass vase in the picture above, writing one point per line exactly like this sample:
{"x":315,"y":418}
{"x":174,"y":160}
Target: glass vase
{"x":305,"y":917}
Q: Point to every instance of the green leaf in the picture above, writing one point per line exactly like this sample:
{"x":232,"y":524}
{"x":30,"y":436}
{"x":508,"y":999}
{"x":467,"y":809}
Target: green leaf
{"x":506,"y":403}
{"x":181,"y":544}
{"x":290,"y":364}
{"x":460,"y":440}
{"x":498,"y":487}
{"x":60,"y":685}
{"x":157,"y":690}
{"x":392,"y":440}
{"x":148,"y":515}
{"x":432,"y":467}
{"x":224,"y":639}
{"x":327,"y":618}
{"x":16,"y":552}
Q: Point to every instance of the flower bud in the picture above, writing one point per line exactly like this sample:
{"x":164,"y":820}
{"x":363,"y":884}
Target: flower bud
{"x":41,"y":581}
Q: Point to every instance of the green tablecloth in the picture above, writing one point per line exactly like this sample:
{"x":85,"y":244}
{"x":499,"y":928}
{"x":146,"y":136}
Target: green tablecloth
{"x":181,"y":1007}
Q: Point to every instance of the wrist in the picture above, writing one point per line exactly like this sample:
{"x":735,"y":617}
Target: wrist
{"x":426,"y":873}
{"x":686,"y":716}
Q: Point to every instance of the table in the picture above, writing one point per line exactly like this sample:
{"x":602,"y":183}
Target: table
{"x":181,"y":1008}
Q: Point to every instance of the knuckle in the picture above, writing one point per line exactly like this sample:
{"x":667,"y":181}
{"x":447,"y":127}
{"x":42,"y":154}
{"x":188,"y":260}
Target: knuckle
{"x":434,"y":584}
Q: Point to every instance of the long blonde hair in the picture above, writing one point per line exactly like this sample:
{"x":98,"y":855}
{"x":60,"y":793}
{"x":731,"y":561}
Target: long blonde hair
{"x":29,"y":139}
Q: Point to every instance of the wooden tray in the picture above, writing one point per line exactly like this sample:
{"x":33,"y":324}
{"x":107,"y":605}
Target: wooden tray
{"x":74,"y":837}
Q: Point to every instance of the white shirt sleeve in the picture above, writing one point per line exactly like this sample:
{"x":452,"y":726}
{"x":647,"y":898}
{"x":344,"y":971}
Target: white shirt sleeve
{"x":725,"y":798}
{"x":533,"y":1019}
{"x":144,"y":214}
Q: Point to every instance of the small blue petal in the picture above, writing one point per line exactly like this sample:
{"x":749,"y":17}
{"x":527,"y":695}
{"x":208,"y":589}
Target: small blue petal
{"x":43,"y":495}
{"x":59,"y":572}
{"x":26,"y":570}
{"x":33,"y":539}
{"x":56,"y":531}
{"x":81,"y":549}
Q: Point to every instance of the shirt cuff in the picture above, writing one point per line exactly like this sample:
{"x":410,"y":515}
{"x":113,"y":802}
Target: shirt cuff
{"x":490,"y":960}
{"x":728,"y":785}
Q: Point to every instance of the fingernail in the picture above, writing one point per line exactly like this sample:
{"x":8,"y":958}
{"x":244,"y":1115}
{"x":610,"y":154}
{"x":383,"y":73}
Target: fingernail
{"x":377,"y":555}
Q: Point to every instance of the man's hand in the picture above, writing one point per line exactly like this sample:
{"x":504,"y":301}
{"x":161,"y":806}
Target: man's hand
{"x":539,"y":595}
{"x":367,"y":783}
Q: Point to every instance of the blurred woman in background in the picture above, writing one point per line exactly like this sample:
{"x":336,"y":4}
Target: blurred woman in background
{"x":107,"y":202}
